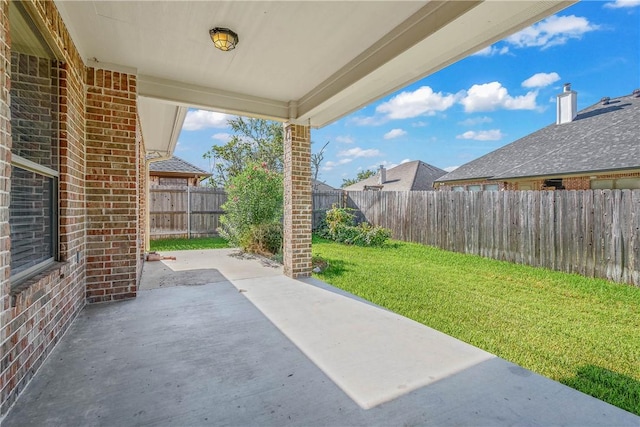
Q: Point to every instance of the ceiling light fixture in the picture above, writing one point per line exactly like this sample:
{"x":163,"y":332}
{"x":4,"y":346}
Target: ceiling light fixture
{"x":223,"y":38}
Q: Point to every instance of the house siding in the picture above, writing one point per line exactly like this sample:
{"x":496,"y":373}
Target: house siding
{"x":537,"y":183}
{"x":101,"y":201}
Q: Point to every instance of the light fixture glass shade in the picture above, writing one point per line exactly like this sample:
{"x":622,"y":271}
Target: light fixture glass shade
{"x":223,"y":38}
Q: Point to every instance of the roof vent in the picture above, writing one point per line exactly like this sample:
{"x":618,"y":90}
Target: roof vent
{"x":566,"y":87}
{"x":605,"y":100}
{"x":636,"y":93}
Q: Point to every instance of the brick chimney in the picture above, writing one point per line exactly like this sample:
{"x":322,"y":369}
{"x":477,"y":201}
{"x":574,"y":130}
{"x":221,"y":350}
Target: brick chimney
{"x":382,"y":175}
{"x":567,"y":105}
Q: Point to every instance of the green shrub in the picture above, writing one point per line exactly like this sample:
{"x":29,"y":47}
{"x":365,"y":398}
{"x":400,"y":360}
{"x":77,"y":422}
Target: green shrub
{"x":254,"y":209}
{"x":339,"y":225}
{"x":265,"y":239}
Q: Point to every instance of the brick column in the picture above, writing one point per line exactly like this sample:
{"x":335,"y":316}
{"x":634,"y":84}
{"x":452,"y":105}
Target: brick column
{"x":112,"y":186}
{"x":5,"y":173}
{"x":297,"y":200}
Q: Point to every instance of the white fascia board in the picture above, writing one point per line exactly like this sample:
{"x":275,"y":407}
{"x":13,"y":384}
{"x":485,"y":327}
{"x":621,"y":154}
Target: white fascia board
{"x":192,"y":96}
{"x":346,"y":91}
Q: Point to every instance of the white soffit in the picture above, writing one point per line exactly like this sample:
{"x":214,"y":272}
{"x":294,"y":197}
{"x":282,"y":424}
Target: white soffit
{"x":306,"y":61}
{"x":161,"y":124}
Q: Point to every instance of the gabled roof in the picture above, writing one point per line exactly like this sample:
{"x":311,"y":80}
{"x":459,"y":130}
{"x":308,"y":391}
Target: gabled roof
{"x":410,"y":176}
{"x":176,"y":165}
{"x":318,"y":185}
{"x":600,"y":138}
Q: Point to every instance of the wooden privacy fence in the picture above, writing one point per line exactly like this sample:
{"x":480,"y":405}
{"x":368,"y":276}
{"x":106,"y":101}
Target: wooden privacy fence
{"x":323,"y":201}
{"x":592,"y":232}
{"x":181,"y":211}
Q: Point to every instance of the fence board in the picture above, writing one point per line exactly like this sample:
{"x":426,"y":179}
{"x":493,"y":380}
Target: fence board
{"x":591,"y":232}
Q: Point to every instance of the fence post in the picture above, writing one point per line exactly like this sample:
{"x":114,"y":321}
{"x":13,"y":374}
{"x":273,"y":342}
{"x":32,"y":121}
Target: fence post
{"x":188,"y":212}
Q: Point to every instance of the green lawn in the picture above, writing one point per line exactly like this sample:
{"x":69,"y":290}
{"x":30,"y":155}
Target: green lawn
{"x":188,"y":244}
{"x":582,"y":332}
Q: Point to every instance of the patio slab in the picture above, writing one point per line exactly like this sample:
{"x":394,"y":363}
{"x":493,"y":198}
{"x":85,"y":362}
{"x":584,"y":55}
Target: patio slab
{"x":231,"y":341}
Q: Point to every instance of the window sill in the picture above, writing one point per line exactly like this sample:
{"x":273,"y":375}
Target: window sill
{"x":51,"y":273}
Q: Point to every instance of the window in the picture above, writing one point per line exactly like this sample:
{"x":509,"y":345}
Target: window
{"x":474,"y":187}
{"x":553,"y":184}
{"x":491,"y":187}
{"x":457,"y":188}
{"x":34,"y":152}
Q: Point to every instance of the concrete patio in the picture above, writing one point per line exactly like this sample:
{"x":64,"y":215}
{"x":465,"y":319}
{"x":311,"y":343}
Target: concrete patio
{"x":220,"y":339}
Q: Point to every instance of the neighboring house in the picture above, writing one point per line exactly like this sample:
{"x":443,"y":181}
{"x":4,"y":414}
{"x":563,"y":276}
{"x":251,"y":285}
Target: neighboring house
{"x":596,"y":148}
{"x":320,"y":186}
{"x":175,"y":171}
{"x":410,"y":176}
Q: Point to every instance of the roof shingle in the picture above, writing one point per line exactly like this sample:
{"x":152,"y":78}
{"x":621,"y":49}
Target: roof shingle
{"x":600,"y":138}
{"x":411,"y":176}
{"x":176,"y":164}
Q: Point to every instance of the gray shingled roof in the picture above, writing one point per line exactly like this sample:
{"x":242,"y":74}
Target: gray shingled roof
{"x":410,"y":176}
{"x":176,"y":165}
{"x":600,"y":138}
{"x":318,"y":185}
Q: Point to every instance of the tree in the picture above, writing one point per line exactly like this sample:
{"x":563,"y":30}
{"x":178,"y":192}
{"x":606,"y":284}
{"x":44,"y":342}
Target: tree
{"x":316,"y":161}
{"x":361,"y":175}
{"x":253,"y":210}
{"x":255,"y":141}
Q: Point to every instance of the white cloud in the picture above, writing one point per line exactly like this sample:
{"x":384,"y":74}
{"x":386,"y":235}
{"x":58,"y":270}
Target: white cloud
{"x":492,"y":51}
{"x":387,"y":165}
{"x":368,"y":120}
{"x":491,"y":96}
{"x":553,"y":31}
{"x":482,"y":135}
{"x":450,"y":168}
{"x":474,"y":121}
{"x":622,"y":3}
{"x":541,"y":80}
{"x":359,"y":152}
{"x":424,"y":100}
{"x":344,"y":139}
{"x":330,"y":165}
{"x":395,"y":133}
{"x":419,"y":124}
{"x":222,"y":136}
{"x":202,"y":119}
{"x":405,"y":161}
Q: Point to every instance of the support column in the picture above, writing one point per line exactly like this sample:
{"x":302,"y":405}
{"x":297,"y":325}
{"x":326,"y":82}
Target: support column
{"x":112,"y":186}
{"x":297,"y":201}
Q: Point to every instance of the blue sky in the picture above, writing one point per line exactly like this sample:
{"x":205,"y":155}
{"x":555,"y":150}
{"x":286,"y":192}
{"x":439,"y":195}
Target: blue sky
{"x":476,"y":105}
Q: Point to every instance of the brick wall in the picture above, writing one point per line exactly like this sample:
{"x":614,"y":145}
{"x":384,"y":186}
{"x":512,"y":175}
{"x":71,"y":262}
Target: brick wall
{"x":297,"y":201}
{"x":143,"y":197}
{"x":569,"y":182}
{"x":111,"y":186}
{"x":6,"y":312}
{"x":36,"y":313}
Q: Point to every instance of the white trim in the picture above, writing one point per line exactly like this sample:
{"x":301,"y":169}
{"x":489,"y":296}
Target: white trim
{"x":31,"y":166}
{"x":188,"y":95}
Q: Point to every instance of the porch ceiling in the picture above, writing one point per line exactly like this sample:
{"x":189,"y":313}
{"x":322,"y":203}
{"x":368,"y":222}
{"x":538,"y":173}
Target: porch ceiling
{"x":305,"y":61}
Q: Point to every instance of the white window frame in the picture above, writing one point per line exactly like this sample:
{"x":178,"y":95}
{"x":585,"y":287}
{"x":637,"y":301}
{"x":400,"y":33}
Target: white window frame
{"x":36,"y":168}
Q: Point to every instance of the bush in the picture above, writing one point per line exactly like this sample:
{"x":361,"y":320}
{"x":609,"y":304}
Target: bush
{"x":253,"y":211}
{"x":339,"y":225}
{"x":265,"y":239}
